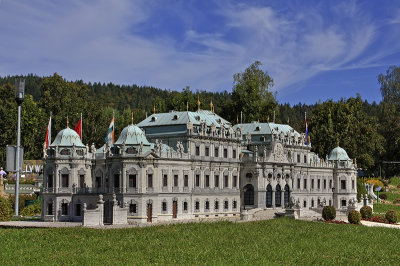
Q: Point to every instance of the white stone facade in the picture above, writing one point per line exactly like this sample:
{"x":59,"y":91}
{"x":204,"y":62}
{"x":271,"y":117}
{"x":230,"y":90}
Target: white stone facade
{"x":189,"y":165}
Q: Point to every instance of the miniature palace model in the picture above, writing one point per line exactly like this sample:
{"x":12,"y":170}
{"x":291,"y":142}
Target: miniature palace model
{"x":191,"y":165}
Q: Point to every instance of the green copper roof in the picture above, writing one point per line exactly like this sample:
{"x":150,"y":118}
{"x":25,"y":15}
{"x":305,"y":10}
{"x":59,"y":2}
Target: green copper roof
{"x":132,"y":135}
{"x":256,"y":128}
{"x":182,"y":118}
{"x":67,"y":137}
{"x":338,"y":154}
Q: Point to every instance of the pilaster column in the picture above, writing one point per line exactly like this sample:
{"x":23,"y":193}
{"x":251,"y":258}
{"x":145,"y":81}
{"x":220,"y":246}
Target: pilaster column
{"x":282,"y":198}
{"x":123,"y":178}
{"x":273,"y":198}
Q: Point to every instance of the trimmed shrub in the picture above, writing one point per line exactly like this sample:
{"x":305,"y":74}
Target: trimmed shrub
{"x":6,"y":210}
{"x":354,"y":217}
{"x":383,"y":196}
{"x":391,"y":216}
{"x":329,"y":213}
{"x":366,"y":212}
{"x":32,"y":210}
{"x":22,"y":198}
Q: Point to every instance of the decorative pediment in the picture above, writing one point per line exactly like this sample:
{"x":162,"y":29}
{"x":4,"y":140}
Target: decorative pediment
{"x":81,"y":171}
{"x":131,"y":170}
{"x":65,"y":170}
{"x":278,"y":154}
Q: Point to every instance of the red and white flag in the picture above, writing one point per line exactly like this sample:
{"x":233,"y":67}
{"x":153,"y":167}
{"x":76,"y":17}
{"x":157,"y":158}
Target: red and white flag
{"x":48,"y":134}
{"x":78,"y":128}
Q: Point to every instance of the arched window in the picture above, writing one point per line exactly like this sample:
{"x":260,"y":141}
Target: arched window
{"x":248,"y":194}
{"x":268,"y":198}
{"x":278,"y":196}
{"x":286,"y":195}
{"x":249,"y":175}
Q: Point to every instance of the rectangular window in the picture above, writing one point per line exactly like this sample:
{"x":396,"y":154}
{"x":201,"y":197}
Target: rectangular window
{"x":298,"y":158}
{"x":343,"y":203}
{"x":207,"y":206}
{"x":319,"y":183}
{"x":185,"y":206}
{"x":234,"y":181}
{"x":150,"y":180}
{"x":305,"y":183}
{"x":216,"y":152}
{"x":330,"y":183}
{"x":132,"y":208}
{"x":298,"y":183}
{"x":234,"y":205}
{"x":64,"y":208}
{"x":207,"y":181}
{"x":197,"y":206}
{"x":305,"y":204}
{"x":226,"y":205}
{"x":207,"y":151}
{"x":225,"y":153}
{"x":164,"y":207}
{"x":81,"y":181}
{"x":197,"y":181}
{"x":64,"y":180}
{"x":343,"y":184}
{"x":165,"y":181}
{"x":186,"y":181}
{"x":324,"y":183}
{"x":78,"y":210}
{"x":234,"y":154}
{"x":98,"y":181}
{"x":50,"y":209}
{"x":132,"y":181}
{"x":226,"y":181}
{"x":352,"y":184}
{"x":197,"y":150}
{"x":305,"y":159}
{"x":50,"y":181}
{"x":216,"y":181}
{"x":312,"y":183}
{"x":116,"y":180}
{"x":216,"y":205}
{"x":175,"y":180}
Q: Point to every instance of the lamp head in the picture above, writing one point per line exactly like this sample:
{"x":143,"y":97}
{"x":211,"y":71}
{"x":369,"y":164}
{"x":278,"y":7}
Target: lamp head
{"x":19,"y":90}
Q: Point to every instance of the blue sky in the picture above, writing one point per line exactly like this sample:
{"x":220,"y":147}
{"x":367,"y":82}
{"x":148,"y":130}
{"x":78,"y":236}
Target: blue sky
{"x":314,"y":50}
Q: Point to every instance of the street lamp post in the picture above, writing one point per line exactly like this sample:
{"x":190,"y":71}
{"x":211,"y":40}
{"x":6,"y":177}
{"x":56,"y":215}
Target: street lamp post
{"x":19,"y":98}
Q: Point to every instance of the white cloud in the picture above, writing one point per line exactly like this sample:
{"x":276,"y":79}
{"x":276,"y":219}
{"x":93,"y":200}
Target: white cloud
{"x":104,"y":41}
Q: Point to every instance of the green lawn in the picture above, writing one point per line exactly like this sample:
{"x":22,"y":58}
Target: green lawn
{"x":391,"y":196}
{"x":279,"y":241}
{"x":383,"y":208}
{"x":395,"y":180}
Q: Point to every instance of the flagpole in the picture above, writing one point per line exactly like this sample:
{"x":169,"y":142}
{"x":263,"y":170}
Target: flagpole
{"x":51,"y":113}
{"x":81,"y":128}
{"x":306,"y":127}
{"x":114,"y":127}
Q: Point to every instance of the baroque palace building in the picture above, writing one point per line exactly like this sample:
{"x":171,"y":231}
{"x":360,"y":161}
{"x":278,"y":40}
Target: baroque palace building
{"x":192,"y":165}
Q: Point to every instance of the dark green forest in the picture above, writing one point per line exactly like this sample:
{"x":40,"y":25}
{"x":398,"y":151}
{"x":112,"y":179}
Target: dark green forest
{"x":369,"y":132}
